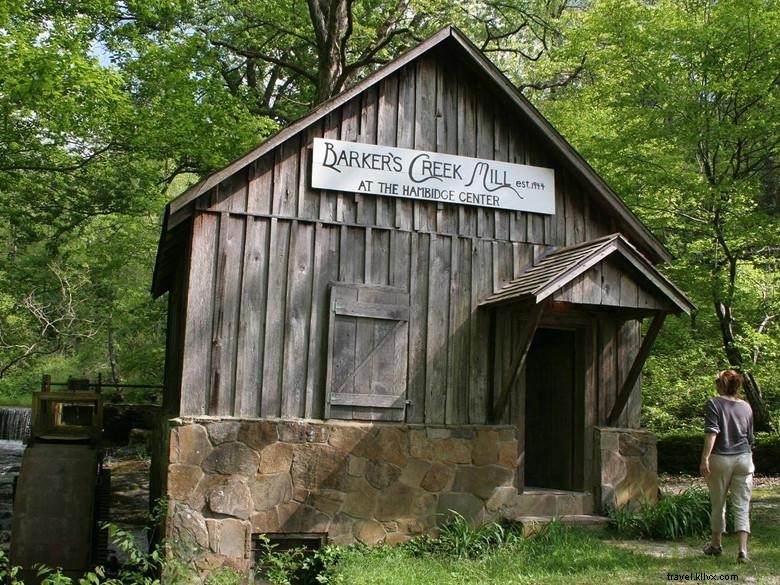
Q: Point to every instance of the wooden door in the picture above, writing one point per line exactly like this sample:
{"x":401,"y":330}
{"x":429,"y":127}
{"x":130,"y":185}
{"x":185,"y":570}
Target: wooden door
{"x":550,"y":415}
{"x":367,"y":352}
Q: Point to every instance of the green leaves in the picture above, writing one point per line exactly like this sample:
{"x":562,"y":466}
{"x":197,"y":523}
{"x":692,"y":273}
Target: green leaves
{"x":677,"y":107}
{"x":674,"y":516}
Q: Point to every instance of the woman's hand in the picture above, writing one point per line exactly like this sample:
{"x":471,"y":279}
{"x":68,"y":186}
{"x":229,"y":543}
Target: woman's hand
{"x":709,"y":443}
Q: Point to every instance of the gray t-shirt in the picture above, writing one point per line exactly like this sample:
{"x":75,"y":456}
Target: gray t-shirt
{"x":732,"y":421}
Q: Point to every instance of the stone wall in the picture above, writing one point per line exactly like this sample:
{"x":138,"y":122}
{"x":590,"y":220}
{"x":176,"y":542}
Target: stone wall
{"x":367,"y":482}
{"x":625,"y":463}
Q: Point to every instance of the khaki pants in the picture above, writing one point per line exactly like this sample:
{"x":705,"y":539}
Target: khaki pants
{"x":731,"y":473}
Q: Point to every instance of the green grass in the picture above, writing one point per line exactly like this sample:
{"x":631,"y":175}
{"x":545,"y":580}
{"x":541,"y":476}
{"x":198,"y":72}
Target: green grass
{"x":565,"y":556}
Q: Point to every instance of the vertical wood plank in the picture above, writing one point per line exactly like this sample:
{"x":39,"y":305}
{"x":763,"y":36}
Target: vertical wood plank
{"x":279,"y":240}
{"x":251,"y":329}
{"x":523,"y":258}
{"x":561,"y":185}
{"x":285,"y":193}
{"x":629,"y":291}
{"x":384,"y":370}
{"x":446,"y":139}
{"x":400,"y":259}
{"x":535,"y":228}
{"x":297,"y":316}
{"x":438,"y":330}
{"x":591,"y":399}
{"x":343,"y":352}
{"x":579,"y":218}
{"x":460,"y":333}
{"x":479,"y":325}
{"x":387,"y":128}
{"x":629,"y":342}
{"x":325,"y":270}
{"x":231,"y":194}
{"x":227,"y":305}
{"x":368,"y":256}
{"x":308,"y":198}
{"x":367,"y":204}
{"x":610,"y":284}
{"x":261,"y":185}
{"x":365,"y":338}
{"x":467,"y":146}
{"x":591,"y":286}
{"x":328,"y":199}
{"x":425,"y":133}
{"x":346,"y":203}
{"x":518,"y":229}
{"x":380,"y":257}
{"x":418,"y":327}
{"x":199,"y":322}
{"x":607,"y":369}
{"x":501,"y":131}
{"x":486,"y":220}
{"x":570,"y":238}
{"x":450,"y":383}
{"x":405,"y":136}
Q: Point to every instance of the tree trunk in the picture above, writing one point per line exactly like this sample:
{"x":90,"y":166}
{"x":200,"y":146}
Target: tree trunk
{"x":762,"y":420}
{"x":332,"y":22}
{"x":115,"y":377}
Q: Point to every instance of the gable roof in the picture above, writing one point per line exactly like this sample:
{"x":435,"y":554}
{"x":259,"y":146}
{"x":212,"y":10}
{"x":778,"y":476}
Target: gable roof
{"x":560,"y":267}
{"x":458,"y":47}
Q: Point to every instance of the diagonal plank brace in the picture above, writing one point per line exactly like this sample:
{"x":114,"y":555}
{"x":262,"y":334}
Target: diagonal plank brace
{"x":636,"y":369}
{"x":524,"y":344}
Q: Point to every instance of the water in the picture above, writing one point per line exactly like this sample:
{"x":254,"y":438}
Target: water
{"x":10,"y":462}
{"x":14,"y":428}
{"x":14,"y":423}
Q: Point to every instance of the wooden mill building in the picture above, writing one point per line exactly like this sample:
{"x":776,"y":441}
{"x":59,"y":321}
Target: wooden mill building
{"x":417,"y":298}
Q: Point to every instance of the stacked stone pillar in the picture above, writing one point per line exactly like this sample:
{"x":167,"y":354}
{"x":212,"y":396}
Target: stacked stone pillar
{"x":625,"y":463}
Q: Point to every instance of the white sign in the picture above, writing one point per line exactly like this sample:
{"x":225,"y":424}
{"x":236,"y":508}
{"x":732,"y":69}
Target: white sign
{"x":430,"y":176}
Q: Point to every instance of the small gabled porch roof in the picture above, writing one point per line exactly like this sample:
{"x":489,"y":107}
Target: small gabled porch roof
{"x":558,"y":268}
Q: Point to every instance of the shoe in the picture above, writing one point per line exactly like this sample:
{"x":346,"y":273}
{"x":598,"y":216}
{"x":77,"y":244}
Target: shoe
{"x":713,"y":551}
{"x":743,"y":557}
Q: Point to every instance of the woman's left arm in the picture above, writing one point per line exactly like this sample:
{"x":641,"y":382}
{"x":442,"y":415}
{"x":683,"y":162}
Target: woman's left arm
{"x":709,"y":443}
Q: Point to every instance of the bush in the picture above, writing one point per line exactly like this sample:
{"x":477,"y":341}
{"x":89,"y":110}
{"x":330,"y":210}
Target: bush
{"x":673,"y":516}
{"x":680,"y":453}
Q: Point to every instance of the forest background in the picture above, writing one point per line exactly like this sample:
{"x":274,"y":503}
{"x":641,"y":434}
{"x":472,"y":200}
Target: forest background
{"x":109,"y":109}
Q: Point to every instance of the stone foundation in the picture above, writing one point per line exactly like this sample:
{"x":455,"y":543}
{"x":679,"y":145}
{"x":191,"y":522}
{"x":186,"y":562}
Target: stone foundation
{"x":367,"y":482}
{"x":625,"y":462}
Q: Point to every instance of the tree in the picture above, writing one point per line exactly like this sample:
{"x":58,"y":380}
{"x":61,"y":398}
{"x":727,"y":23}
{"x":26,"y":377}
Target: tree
{"x":677,"y":106}
{"x":90,"y":141}
{"x":106,"y":107}
{"x":281,"y":60}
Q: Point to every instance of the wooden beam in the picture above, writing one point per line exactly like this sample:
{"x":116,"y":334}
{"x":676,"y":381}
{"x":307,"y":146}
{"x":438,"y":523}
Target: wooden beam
{"x":526,"y":336}
{"x":636,"y":369}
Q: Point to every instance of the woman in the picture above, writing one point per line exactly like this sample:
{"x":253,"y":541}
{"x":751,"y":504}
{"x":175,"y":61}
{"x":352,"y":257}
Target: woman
{"x":727,"y":460}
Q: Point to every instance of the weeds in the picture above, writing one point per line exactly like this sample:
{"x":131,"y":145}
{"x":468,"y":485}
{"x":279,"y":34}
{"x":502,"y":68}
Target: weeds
{"x":674,"y":516}
{"x":297,"y":566}
{"x":458,"y":538}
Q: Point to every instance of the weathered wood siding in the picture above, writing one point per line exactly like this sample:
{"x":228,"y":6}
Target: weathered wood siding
{"x":266,"y":247}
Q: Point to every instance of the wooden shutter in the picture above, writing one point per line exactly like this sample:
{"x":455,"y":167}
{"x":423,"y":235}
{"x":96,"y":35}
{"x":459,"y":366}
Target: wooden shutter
{"x":367,"y":352}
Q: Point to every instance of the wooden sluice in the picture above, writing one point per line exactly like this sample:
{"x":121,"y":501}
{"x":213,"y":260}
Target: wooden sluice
{"x":57,"y":496}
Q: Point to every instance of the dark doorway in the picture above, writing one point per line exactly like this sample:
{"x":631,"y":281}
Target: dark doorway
{"x":551,"y":411}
